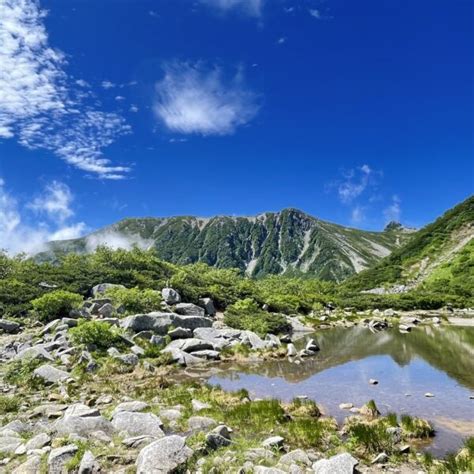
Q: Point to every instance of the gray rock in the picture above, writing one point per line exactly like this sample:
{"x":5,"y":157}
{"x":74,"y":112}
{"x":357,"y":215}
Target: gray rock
{"x":59,"y":457}
{"x":8,"y":444}
{"x":37,"y":352}
{"x":127,"y":359}
{"x":89,"y":464}
{"x":291,"y":350}
{"x":253,"y":340}
{"x":198,"y":405}
{"x":216,"y":441}
{"x":297,"y":456}
{"x":38,"y":441}
{"x":201,"y":423}
{"x":157,"y":340}
{"x":171,"y":415}
{"x":380,"y":459}
{"x":192,"y":322}
{"x":136,"y":442}
{"x":17,"y":426}
{"x":312,"y":346}
{"x":183,"y":358}
{"x":267,"y":470}
{"x":82,"y":426}
{"x":170,"y":296}
{"x":207,"y":354}
{"x":137,"y":350}
{"x":106,"y":311}
{"x":180,"y":333}
{"x":79,"y":409}
{"x":188,"y":345}
{"x":50,"y":374}
{"x":99,"y":290}
{"x":133,"y":406}
{"x":31,"y":466}
{"x":273,"y":442}
{"x":157,"y":322}
{"x":10,"y":327}
{"x":138,"y":424}
{"x":395,"y":433}
{"x":340,"y":464}
{"x":189,"y":309}
{"x":208,"y":305}
{"x":163,"y":456}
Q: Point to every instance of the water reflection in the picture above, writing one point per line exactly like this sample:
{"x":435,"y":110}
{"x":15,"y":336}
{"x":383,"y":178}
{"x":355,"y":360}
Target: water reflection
{"x":429,"y":359}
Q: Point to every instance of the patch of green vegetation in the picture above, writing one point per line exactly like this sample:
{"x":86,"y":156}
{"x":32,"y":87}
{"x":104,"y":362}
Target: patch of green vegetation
{"x":135,"y":300}
{"x":20,"y":372}
{"x":56,"y":304}
{"x":246,"y":315}
{"x":9,"y":404}
{"x":416,"y":427}
{"x":371,"y":438}
{"x":96,"y":333}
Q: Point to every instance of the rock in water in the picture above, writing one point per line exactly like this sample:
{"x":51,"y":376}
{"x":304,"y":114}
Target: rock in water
{"x":163,"y":456}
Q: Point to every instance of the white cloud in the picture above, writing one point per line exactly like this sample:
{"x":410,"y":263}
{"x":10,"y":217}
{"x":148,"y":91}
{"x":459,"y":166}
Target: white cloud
{"x":119,"y":98}
{"x":315,"y":13}
{"x":193,"y":99}
{"x":17,"y":235}
{"x":358,"y":215}
{"x":394,"y":211}
{"x":108,"y":85}
{"x":133,"y":108}
{"x":354,"y":184}
{"x":281,"y":40}
{"x":55,"y":202}
{"x":41,"y":104}
{"x":115,"y":240}
{"x":250,"y":7}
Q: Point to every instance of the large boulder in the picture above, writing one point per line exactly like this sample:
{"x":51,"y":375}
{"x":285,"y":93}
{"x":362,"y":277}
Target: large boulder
{"x":131,"y":406}
{"x":341,"y":464}
{"x":163,"y":456}
{"x":31,"y":466}
{"x":34,"y":353}
{"x":189,"y":309}
{"x":138,"y":424}
{"x":10,"y":327}
{"x":59,"y":457}
{"x":50,"y":374}
{"x":157,"y":322}
{"x":188,"y":345}
{"x":208,"y":305}
{"x":192,"y":322}
{"x":82,"y":425}
{"x":8,"y":444}
{"x":183,"y":358}
{"x":170,"y":296}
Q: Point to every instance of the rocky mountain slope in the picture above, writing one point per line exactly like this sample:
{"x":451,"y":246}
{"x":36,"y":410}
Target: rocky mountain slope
{"x":439,"y":256}
{"x":288,"y":242}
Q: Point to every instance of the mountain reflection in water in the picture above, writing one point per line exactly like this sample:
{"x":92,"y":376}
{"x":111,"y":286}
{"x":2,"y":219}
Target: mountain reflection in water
{"x":432,"y":359}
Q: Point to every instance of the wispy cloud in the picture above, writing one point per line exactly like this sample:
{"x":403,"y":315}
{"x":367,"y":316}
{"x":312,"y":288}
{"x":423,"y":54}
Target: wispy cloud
{"x":282,"y":40}
{"x":315,"y":13}
{"x":54,"y":223}
{"x":41,"y":105}
{"x":250,"y":7}
{"x":394,"y":211}
{"x":358,"y":215}
{"x":195,"y":99}
{"x":354,"y":184}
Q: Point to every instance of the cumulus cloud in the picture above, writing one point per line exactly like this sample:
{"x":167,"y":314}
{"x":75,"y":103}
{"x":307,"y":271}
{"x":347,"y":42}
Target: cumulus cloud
{"x":195,"y":99}
{"x":41,"y":105}
{"x":252,"y":8}
{"x":394,"y":211}
{"x":116,"y":240}
{"x":17,"y":234}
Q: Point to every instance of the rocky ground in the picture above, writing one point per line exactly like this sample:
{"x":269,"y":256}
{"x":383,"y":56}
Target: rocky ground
{"x":110,"y":406}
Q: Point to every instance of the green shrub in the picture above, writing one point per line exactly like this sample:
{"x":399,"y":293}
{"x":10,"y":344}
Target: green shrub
{"x":97,"y":333}
{"x":416,"y":427}
{"x":371,"y":437}
{"x":9,"y":404}
{"x":20,"y":372}
{"x":246,"y":315}
{"x":56,"y":304}
{"x":135,"y":300}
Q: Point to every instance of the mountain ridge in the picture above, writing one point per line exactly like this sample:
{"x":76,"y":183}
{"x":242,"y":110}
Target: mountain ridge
{"x":287,"y":241}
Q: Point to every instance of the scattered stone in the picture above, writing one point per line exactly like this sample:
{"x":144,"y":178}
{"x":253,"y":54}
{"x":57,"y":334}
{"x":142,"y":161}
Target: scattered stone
{"x":99,"y":290}
{"x":180,"y":333}
{"x":340,"y":464}
{"x":189,"y":309}
{"x":138,"y":424}
{"x":429,"y":395}
{"x":88,"y":464}
{"x":59,"y":457}
{"x":31,"y":466}
{"x":297,"y":456}
{"x":127,"y":359}
{"x":82,"y":426}
{"x":404,"y":449}
{"x":395,"y":433}
{"x":51,"y":374}
{"x":188,"y":345}
{"x":170,"y":296}
{"x":38,"y":441}
{"x":79,"y":409}
{"x":267,"y":470}
{"x":138,"y":441}
{"x":219,"y":437}
{"x":106,"y":310}
{"x":35,"y":353}
{"x":291,"y":350}
{"x":373,"y":382}
{"x":9,"y":444}
{"x":10,"y":327}
{"x":201,"y":423}
{"x":380,"y":459}
{"x":163,"y":456}
{"x":346,"y":406}
{"x":137,"y":350}
{"x":198,"y":405}
{"x":132,"y":406}
{"x":274,"y":442}
{"x":208,"y":306}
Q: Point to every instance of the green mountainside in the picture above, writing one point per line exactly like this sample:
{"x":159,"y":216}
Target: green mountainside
{"x":439,"y":258}
{"x":287,"y":242}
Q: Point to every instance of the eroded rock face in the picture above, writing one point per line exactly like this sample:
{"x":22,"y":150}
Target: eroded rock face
{"x":163,"y":456}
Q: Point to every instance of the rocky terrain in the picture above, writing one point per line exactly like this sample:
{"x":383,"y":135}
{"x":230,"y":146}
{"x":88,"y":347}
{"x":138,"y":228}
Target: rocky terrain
{"x":99,"y":391}
{"x":289,"y":241}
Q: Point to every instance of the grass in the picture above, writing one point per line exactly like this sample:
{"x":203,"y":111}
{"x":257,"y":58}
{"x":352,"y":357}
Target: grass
{"x":416,"y":427}
{"x":9,"y":404}
{"x":371,"y":438}
{"x":20,"y":372}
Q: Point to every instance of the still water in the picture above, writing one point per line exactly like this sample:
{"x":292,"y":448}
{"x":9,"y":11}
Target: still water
{"x":439,"y":360}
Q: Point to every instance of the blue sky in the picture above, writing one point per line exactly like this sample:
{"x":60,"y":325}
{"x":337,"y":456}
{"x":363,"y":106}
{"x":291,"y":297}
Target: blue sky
{"x":355,"y":112}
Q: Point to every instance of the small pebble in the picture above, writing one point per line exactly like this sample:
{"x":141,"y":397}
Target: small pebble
{"x":373,"y":382}
{"x":429,"y":395}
